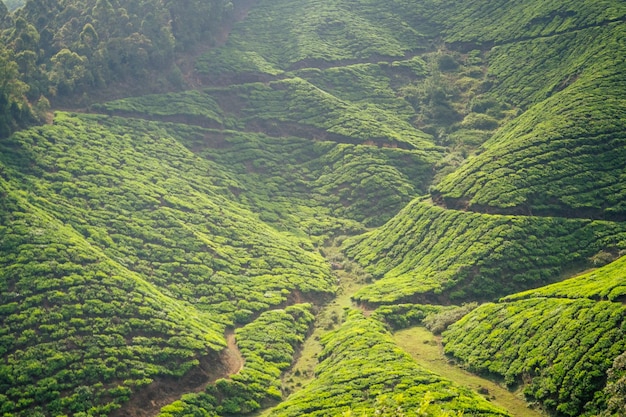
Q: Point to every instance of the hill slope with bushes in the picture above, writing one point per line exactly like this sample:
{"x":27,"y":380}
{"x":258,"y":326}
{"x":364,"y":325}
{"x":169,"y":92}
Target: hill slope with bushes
{"x":560,"y":340}
{"x":456,"y":152}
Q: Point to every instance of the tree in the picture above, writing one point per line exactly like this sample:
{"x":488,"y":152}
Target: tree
{"x":615,"y":389}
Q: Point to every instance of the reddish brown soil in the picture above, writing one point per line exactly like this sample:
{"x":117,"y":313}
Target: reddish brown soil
{"x":164,"y":390}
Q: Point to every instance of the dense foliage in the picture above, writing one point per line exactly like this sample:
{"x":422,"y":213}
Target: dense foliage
{"x":131,"y":237}
{"x":362,"y":372}
{"x":15,"y":111}
{"x":68,"y":47}
{"x":79,"y":331}
{"x":268,"y":346}
{"x":606,"y":283}
{"x":481,"y":22}
{"x":428,"y":253}
{"x":348,"y":176}
{"x":566,"y":154}
{"x":110,"y":245}
{"x":559,"y":342}
{"x":314,"y":32}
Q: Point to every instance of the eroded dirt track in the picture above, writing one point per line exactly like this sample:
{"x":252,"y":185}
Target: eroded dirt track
{"x":149,"y":400}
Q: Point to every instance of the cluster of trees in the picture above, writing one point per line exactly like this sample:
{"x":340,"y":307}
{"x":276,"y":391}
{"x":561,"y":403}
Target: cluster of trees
{"x":362,"y":372}
{"x":459,"y":255}
{"x":268,"y":345}
{"x":70,"y":47}
{"x":15,"y":111}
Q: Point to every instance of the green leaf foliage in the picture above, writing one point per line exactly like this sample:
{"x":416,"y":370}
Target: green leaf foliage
{"x":78,"y":330}
{"x":427,"y":253}
{"x":73,"y":47}
{"x":560,"y":348}
{"x":565,"y":155}
{"x":268,"y":346}
{"x":524,"y":19}
{"x":316,"y":31}
{"x":115,"y":271}
{"x":157,"y":209}
{"x":362,"y":372}
{"x":278,"y":170}
{"x":606,"y":283}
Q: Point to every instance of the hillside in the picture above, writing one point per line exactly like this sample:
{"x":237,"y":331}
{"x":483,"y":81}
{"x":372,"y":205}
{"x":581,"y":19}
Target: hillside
{"x":561,"y":340}
{"x":188,"y":188}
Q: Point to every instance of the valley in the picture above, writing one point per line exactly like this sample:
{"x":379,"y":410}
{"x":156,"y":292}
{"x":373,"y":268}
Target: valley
{"x":320,"y":208}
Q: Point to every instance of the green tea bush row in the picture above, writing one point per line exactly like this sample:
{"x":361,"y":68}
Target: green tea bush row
{"x":159,"y":210}
{"x":564,"y":155}
{"x":78,"y":331}
{"x":315,"y":31}
{"x":268,"y":345}
{"x":559,"y":348}
{"x":426,"y":252}
{"x":362,"y":372}
{"x":606,"y":283}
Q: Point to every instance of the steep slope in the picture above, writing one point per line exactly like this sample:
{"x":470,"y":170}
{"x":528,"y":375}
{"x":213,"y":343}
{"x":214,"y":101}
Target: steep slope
{"x":116,"y":271}
{"x":428,"y":253}
{"x":559,"y":341}
{"x":79,"y":331}
{"x":606,"y":283}
{"x":362,"y":372}
{"x":143,"y":229}
{"x":565,"y":155}
{"x":524,"y":19}
{"x":268,"y":345}
{"x":312,"y":33}
{"x":362,"y":164}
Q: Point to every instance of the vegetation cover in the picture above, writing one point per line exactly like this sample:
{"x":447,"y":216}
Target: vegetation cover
{"x":68,"y":47}
{"x":79,"y":331}
{"x":430,"y":253}
{"x":267,"y":346}
{"x":362,"y":372}
{"x":122,"y":297}
{"x":559,"y":340}
{"x":465,"y":160}
{"x":565,"y":155}
{"x":316,"y":32}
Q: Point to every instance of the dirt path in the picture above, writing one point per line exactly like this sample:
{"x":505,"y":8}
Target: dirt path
{"x":164,"y":390}
{"x":427,"y":350}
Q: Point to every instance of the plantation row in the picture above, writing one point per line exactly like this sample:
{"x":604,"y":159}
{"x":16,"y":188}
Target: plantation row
{"x":349,"y":183}
{"x":267,"y":345}
{"x":290,"y":101}
{"x":559,"y":348}
{"x":362,"y":372}
{"x":315,"y":32}
{"x":606,"y":283}
{"x":122,"y":258}
{"x":564,"y":155}
{"x":426,"y":250}
{"x":481,"y":23}
{"x":162,"y":212}
{"x":78,"y":331}
{"x":525,"y":73}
